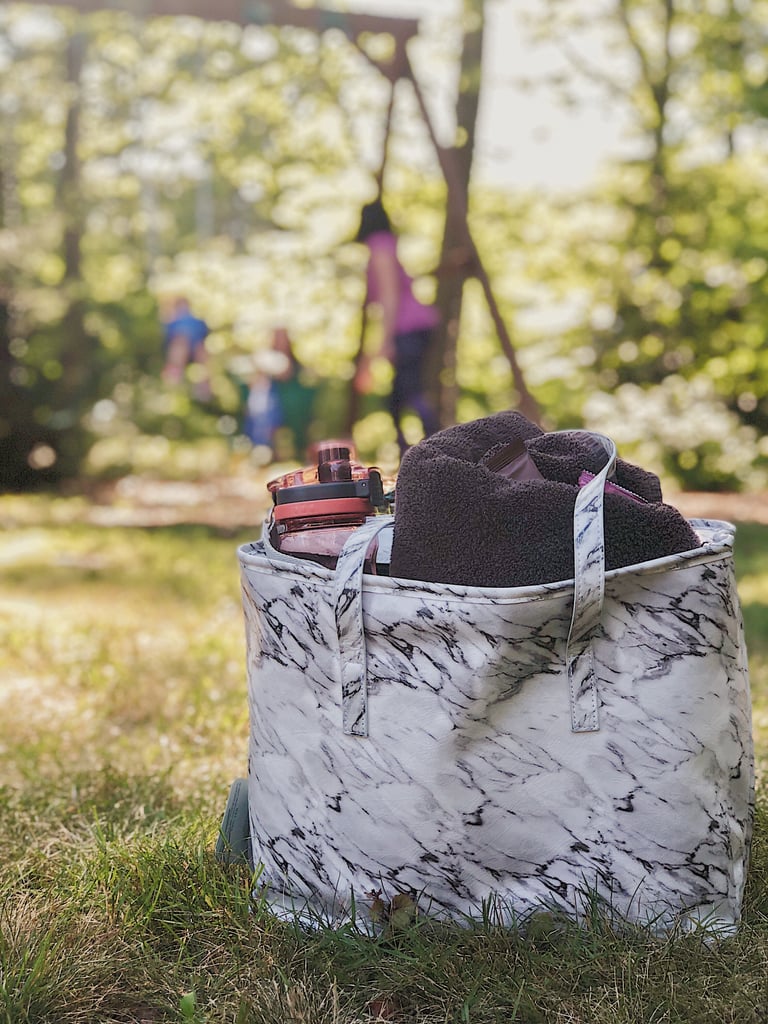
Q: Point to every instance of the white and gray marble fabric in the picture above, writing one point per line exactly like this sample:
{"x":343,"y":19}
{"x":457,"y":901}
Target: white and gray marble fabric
{"x":512,"y":749}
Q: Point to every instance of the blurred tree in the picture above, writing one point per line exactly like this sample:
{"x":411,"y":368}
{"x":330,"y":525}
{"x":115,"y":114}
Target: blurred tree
{"x":457,"y":245}
{"x":680,"y":290}
{"x":216,"y":159}
{"x":460,"y":259}
{"x":169,"y":141}
{"x":42,"y":379}
{"x":217,"y":147}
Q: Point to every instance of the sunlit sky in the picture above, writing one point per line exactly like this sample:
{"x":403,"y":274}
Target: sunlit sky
{"x":524,"y":138}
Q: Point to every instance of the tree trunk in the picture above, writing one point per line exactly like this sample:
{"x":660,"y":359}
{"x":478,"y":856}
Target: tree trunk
{"x":35,"y":453}
{"x":441,"y":365}
{"x":458,"y":249}
{"x":79,"y":349}
{"x":74,"y":361}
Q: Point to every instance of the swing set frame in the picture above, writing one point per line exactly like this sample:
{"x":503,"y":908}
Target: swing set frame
{"x":356,"y":26}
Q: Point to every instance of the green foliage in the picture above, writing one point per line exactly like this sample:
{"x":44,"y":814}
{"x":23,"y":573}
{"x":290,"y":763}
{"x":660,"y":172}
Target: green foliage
{"x":664,"y":266}
{"x":229,"y":163}
{"x":666,"y":347}
{"x":202,"y":149}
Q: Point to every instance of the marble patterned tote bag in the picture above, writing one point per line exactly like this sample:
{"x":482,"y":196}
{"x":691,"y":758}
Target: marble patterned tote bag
{"x":501,"y":751}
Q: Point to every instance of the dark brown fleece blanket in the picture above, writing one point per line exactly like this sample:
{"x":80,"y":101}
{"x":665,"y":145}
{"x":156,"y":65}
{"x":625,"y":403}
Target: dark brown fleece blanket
{"x":458,"y":522}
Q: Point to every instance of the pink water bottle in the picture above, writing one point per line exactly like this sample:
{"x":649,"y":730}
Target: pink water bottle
{"x":317,"y":507}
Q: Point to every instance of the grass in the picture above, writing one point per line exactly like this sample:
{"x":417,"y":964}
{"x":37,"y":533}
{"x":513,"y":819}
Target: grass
{"x":123,"y":720}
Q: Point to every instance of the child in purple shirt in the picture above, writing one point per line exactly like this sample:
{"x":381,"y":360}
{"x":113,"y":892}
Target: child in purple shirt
{"x":407,"y":323}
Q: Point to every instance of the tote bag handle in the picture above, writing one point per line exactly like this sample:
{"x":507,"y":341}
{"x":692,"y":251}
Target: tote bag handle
{"x":589,"y":585}
{"x":588,"y":592}
{"x":348,"y":601}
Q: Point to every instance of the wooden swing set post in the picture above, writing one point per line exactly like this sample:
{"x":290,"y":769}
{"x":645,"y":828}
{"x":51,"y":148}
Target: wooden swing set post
{"x":457,"y":208}
{"x":401,"y":67}
{"x":280,"y":13}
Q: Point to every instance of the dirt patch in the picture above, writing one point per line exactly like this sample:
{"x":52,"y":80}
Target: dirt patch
{"x":230,"y":503}
{"x":734,"y":508}
{"x":240,"y":502}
